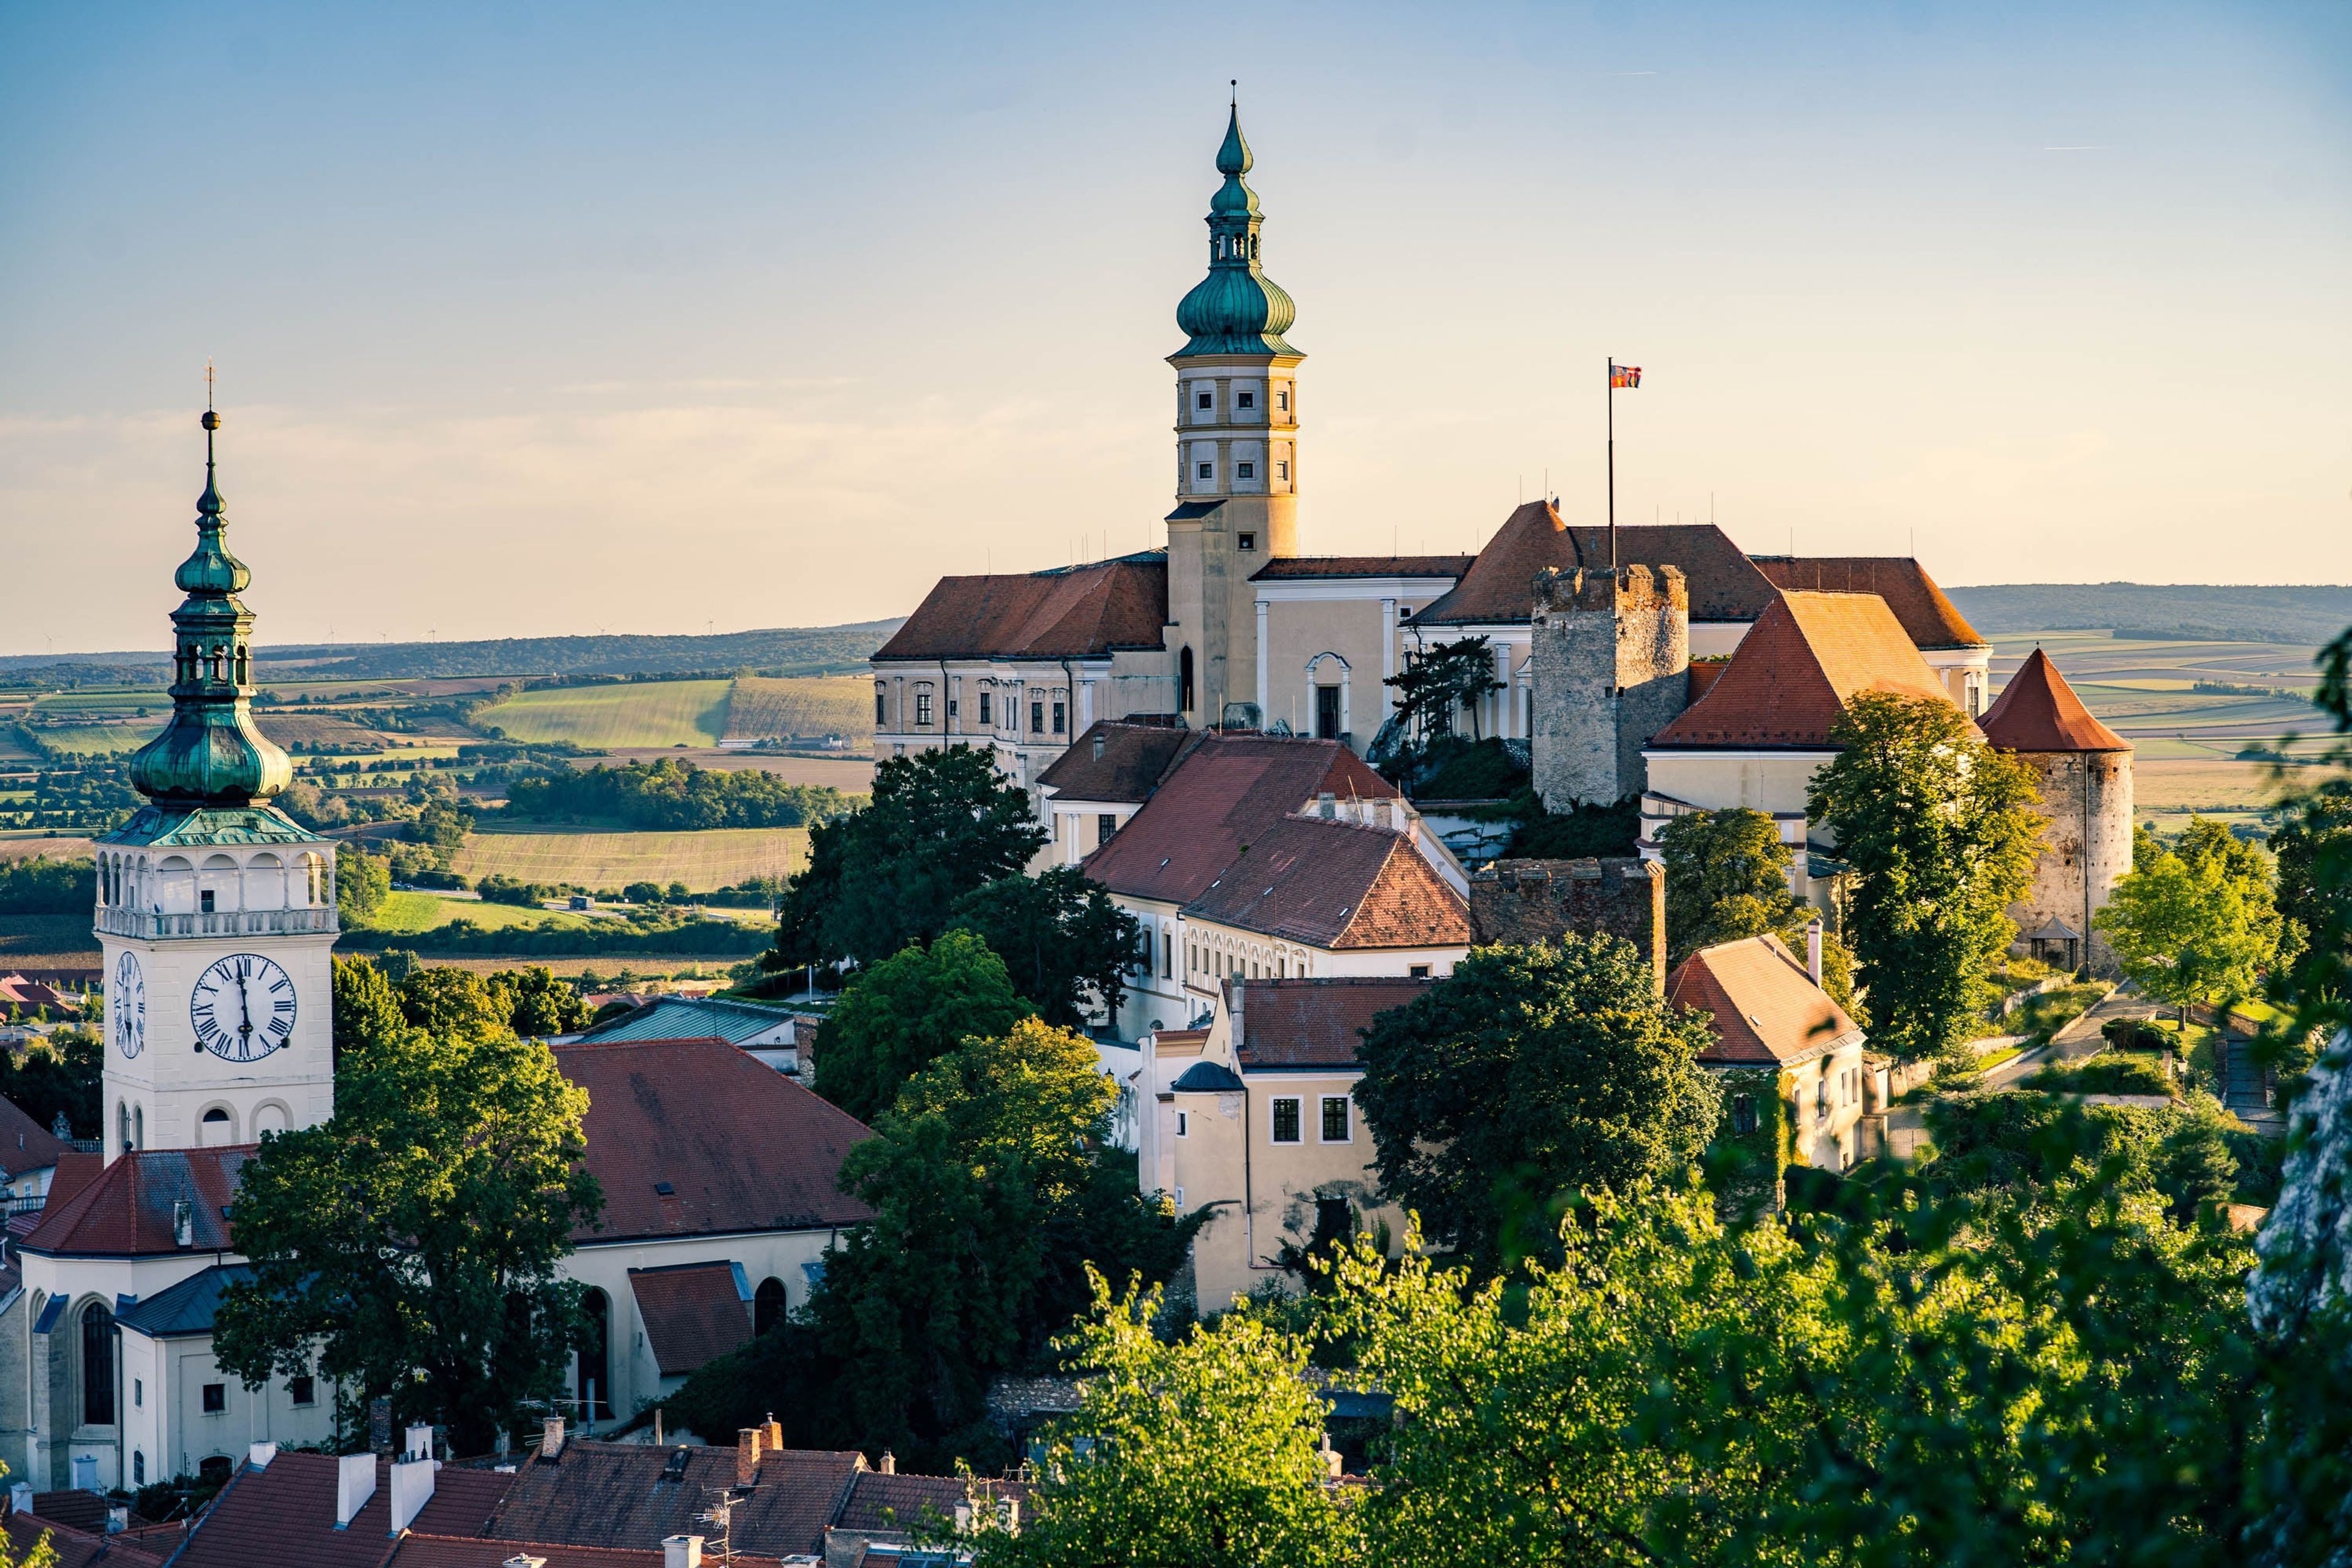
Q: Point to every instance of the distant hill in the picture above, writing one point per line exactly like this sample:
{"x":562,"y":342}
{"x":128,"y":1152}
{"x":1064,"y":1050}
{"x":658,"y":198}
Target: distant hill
{"x":2286,"y":614}
{"x":790,"y":650}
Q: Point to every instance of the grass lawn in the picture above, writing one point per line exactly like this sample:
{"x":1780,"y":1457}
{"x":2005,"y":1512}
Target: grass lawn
{"x":2042,"y":1017}
{"x":719,"y":858}
{"x":98,"y":739}
{"x":643,"y":714}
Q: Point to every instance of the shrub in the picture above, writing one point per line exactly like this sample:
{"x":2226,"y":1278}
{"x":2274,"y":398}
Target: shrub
{"x":2106,"y":1073}
{"x":500,"y":888}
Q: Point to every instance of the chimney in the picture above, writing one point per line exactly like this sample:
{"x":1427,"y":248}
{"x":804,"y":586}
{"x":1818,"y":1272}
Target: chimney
{"x":260,"y":1454}
{"x":118,"y":1517}
{"x":1334,"y":1466}
{"x":1099,"y":745}
{"x":746,"y":1457}
{"x":184,"y":1222}
{"x":1327,"y":804}
{"x":774,"y":1442}
{"x":523,"y":1560}
{"x":550,"y":1441}
{"x":420,"y":1444}
{"x":685,"y":1551}
{"x":412,"y":1488}
{"x":889,"y":1463}
{"x":354,"y":1484}
{"x":1814,"y":949}
{"x":20,"y":1497}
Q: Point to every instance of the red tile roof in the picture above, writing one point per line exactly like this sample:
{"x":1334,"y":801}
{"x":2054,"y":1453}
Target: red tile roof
{"x":286,"y":1514}
{"x":24,"y":1143}
{"x":902,"y":1505}
{"x":613,"y":1494}
{"x":1928,"y":618}
{"x":693,"y":1312}
{"x":1335,"y":884}
{"x":1499,"y":588}
{"x":82,"y":1548}
{"x":1794,"y":671}
{"x":1766,"y":1008}
{"x":1363,"y":566}
{"x":1133,"y":759}
{"x":1313,"y":1023}
{"x":128,"y":1210}
{"x":2038,"y":712}
{"x":457,"y":1552}
{"x":741,"y":1146}
{"x":1228,"y":790}
{"x":1067,"y":611}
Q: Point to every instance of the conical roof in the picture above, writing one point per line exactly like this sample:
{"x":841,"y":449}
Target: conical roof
{"x":2038,"y":712}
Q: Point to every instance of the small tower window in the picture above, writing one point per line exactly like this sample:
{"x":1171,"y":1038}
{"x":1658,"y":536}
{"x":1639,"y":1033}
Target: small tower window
{"x":987,"y":701}
{"x":1246,"y":541}
{"x":1282,"y":469}
{"x":1246,"y":470}
{"x":1282,"y":401}
{"x":1245,"y":400}
{"x":1202,"y":400}
{"x":1207,"y":469}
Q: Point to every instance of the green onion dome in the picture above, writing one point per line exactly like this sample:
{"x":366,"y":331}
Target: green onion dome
{"x":1236,"y":309}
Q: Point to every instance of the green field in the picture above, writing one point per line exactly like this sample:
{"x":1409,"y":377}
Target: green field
{"x":805,"y":705}
{"x":423,"y":911}
{"x":721,"y":857}
{"x":644,"y":713}
{"x":98,"y":740}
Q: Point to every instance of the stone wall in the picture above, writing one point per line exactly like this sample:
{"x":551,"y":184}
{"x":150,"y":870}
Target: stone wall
{"x":2086,"y":848}
{"x":1610,"y":659}
{"x":1524,"y":901}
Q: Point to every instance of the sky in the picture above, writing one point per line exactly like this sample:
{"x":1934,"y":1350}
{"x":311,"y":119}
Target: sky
{"x":533,"y":319}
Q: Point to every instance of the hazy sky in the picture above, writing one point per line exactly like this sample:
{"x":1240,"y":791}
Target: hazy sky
{"x":543,"y":318}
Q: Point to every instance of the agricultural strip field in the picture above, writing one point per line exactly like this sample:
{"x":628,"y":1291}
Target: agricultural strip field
{"x":642,"y":713}
{"x":423,"y":911}
{"x":719,"y":858}
{"x":851,"y":773}
{"x":815,"y":706}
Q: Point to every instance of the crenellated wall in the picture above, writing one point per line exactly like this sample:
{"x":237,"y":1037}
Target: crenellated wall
{"x":1610,"y":661}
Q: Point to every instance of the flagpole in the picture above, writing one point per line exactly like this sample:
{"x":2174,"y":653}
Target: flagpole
{"x":1611,"y":379}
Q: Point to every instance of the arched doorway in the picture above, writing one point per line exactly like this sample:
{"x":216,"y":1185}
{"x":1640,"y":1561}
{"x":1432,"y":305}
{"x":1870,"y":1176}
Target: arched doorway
{"x":767,"y":1305}
{"x":594,"y":1396}
{"x":97,"y":1365}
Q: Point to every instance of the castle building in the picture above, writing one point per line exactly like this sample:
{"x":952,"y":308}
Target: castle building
{"x":2083,"y":771}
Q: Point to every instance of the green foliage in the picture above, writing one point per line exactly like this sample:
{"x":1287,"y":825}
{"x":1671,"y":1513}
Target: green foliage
{"x":1575,"y":834}
{"x":361,"y":883}
{"x":1204,"y":1453}
{"x":699,"y":938}
{"x":942,"y":824}
{"x":412,"y":1245}
{"x":2042,"y":1016}
{"x":1453,"y":768}
{"x":1443,"y":682}
{"x":1755,"y":1139}
{"x":1727,"y":879}
{"x":40,"y":886}
{"x":538,"y":1005}
{"x":904,"y":1013}
{"x":672,"y":795}
{"x":441,"y":827}
{"x":1528,"y":1074}
{"x":499,"y":888}
{"x":2109,"y":1072}
{"x":1940,"y":830}
{"x":2197,"y":924}
{"x":1067,"y":947}
{"x":62,"y":1071}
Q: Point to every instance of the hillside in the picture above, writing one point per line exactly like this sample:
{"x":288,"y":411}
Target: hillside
{"x":2285,"y":614}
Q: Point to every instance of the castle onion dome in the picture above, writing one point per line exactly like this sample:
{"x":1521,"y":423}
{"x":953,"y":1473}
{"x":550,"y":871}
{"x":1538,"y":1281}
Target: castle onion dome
{"x":1236,"y":309}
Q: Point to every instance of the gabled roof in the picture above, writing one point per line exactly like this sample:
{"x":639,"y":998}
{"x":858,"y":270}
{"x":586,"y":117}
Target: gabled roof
{"x":614,"y":1494}
{"x":903,"y":1505}
{"x":80,"y":1548}
{"x":1130,"y":765}
{"x":1766,"y":1008}
{"x":286,"y":1513}
{"x":1499,"y":586}
{"x":2038,"y":712}
{"x":188,"y":1309}
{"x":740,"y":1146}
{"x":1225,"y":791}
{"x":24,"y":1143}
{"x":1797,"y":668}
{"x":414,"y":1550}
{"x":1311,"y":566}
{"x":1313,"y":1023}
{"x":693,"y":1018}
{"x":1068,"y":612}
{"x":1334,"y":884}
{"x":1929,"y":618}
{"x":129,"y":1209}
{"x":693,"y":1312}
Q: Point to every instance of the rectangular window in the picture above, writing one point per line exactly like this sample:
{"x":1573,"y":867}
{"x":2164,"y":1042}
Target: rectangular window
{"x":1246,"y":470}
{"x":951,"y":707}
{"x":1201,"y":400}
{"x":1282,"y":469}
{"x":302,"y":1390}
{"x":1246,"y":541}
{"x":1060,"y":715}
{"x":1245,"y":400}
{"x":879,"y":715}
{"x":1743,"y":1113}
{"x":1183,"y":1124}
{"x":1105,"y":826}
{"x":1282,"y":401}
{"x":215,"y":1398}
{"x":204,"y":901}
{"x":1167,"y":957}
{"x":922,"y":707}
{"x":139,"y":1466}
{"x":987,"y":703}
{"x":139,"y":1393}
{"x":1206,"y":469}
{"x":1334,"y":1118}
{"x":1327,"y":712}
{"x":1286,"y":1120}
{"x":1036,"y":717}
{"x":1418,"y":972}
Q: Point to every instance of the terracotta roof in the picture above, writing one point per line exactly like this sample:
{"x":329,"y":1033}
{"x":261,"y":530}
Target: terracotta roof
{"x":414,"y":1550}
{"x":894,"y":1504}
{"x":129,"y":1209}
{"x":1336,"y":884}
{"x":1766,"y":1008}
{"x":1363,"y":566}
{"x":1067,"y":611}
{"x":2038,"y":712}
{"x":1796,"y":668}
{"x":1132,"y":761}
{"x":1227,"y":791}
{"x":24,"y":1143}
{"x":286,"y":1514}
{"x":81,"y":1548}
{"x":616,"y":1494}
{"x":693,"y":1312}
{"x":741,"y":1146}
{"x":76,"y":1509}
{"x":1499,"y":588}
{"x":1313,"y":1023}
{"x":76,"y":1169}
{"x":1929,"y":618}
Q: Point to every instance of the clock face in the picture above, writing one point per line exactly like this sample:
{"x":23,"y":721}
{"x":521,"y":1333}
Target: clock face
{"x":128,"y":1006}
{"x":243,"y":1008}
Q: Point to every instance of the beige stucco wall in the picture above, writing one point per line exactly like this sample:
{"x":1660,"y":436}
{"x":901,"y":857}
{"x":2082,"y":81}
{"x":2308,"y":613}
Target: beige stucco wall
{"x":1828,"y":1097}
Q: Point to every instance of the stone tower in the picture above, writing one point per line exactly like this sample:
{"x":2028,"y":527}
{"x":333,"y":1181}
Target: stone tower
{"x":1610,"y":662}
{"x":1236,"y":451}
{"x":2085,"y":773}
{"x":215,"y":912}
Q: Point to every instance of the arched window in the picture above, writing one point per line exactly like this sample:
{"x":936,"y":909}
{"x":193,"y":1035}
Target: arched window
{"x":595,"y":1395}
{"x":767,"y":1305}
{"x":215,"y":1130}
{"x":97,"y":1365}
{"x":139,"y":1127}
{"x":123,"y":1127}
{"x":1184,"y":679}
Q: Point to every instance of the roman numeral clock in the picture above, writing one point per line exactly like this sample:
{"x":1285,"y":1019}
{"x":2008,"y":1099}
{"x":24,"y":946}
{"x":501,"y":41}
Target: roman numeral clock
{"x":243,"y":1008}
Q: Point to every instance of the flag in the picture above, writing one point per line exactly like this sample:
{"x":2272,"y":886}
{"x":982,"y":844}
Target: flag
{"x":1628,"y":375}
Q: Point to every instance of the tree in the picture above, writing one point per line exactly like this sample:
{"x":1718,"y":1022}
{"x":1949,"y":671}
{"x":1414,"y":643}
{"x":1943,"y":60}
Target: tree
{"x":412,"y":1245}
{"x":907,"y":1012}
{"x":1528,"y":1074}
{"x":940,"y":824}
{"x":61,"y":1073}
{"x":1067,"y":946}
{"x":1204,"y":1453}
{"x":1727,"y":879}
{"x":361,"y":883}
{"x":1942,"y":835}
{"x":538,"y":1005}
{"x":2186,"y":930}
{"x":1442,"y":681}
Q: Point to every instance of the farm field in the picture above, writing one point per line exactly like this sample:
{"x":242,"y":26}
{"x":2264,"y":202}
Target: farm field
{"x":852,"y":773}
{"x":25,"y":844}
{"x":720,"y":858}
{"x":821,"y":705}
{"x":58,"y":938}
{"x":423,"y":911}
{"x":644,"y":713}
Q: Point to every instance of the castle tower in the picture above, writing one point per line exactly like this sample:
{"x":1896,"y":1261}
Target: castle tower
{"x":2084,"y":772}
{"x":1236,"y":451}
{"x":215,"y":911}
{"x":1610,"y":661}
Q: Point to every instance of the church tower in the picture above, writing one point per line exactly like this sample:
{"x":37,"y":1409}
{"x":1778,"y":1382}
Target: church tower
{"x":215,"y":912}
{"x":1236,"y":451}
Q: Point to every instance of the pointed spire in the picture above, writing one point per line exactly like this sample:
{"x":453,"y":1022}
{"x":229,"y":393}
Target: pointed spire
{"x":1237,"y":308}
{"x":2038,"y":712}
{"x":1234,"y":157}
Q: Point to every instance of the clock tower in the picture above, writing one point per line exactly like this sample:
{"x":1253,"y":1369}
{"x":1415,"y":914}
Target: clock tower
{"x":216,"y":911}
